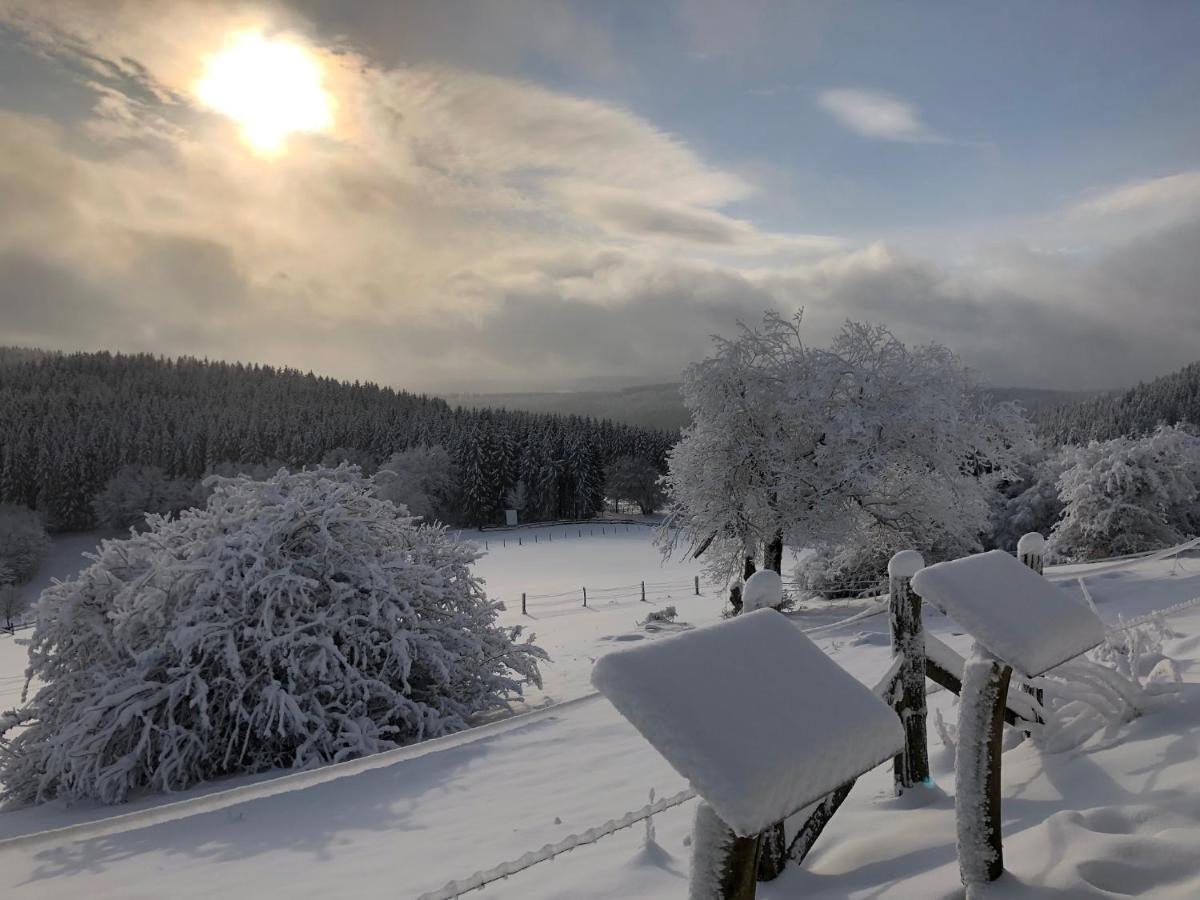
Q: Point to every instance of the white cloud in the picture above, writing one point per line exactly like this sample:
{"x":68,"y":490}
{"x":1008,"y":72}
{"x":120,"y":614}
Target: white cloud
{"x":468,"y":229}
{"x":877,"y":115}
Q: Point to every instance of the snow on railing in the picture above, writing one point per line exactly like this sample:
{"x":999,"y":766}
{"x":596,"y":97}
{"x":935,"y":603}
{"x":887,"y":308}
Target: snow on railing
{"x":532,"y":858}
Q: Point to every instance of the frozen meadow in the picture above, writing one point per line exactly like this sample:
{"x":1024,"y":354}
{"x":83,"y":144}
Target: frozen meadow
{"x":1113,"y":811}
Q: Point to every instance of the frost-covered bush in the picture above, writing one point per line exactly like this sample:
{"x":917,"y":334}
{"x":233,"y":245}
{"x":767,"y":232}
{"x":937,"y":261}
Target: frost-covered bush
{"x":292,"y":622}
{"x":136,"y":491}
{"x":23,"y":542}
{"x":1128,"y":495}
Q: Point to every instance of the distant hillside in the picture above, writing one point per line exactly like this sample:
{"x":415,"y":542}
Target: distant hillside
{"x":1036,"y":398}
{"x":647,"y":406}
{"x":1167,"y":400}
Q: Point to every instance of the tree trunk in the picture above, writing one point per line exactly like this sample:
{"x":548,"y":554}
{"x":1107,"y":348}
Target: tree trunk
{"x":723,"y":864}
{"x":735,"y":592}
{"x":773,"y":554}
{"x":977,"y":767}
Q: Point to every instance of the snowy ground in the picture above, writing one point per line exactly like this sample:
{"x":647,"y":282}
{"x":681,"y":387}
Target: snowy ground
{"x":1117,"y":816}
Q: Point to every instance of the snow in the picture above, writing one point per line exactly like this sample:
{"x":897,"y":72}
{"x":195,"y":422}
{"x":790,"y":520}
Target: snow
{"x":1115,"y":815}
{"x":1022,"y":618}
{"x":1031,"y":544}
{"x":758,"y":719}
{"x":763,"y":590}
{"x":905,"y":564}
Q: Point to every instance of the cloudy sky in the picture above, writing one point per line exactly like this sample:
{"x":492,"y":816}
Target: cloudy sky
{"x":530,"y":194}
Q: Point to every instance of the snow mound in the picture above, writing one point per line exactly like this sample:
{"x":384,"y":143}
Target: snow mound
{"x":763,"y":590}
{"x":752,"y":713}
{"x":1011,"y":610}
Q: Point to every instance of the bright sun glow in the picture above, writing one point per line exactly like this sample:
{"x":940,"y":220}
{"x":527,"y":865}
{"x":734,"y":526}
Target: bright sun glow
{"x":271,"y":88}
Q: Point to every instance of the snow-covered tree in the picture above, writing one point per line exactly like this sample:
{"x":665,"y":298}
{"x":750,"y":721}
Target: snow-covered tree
{"x":1128,"y":494}
{"x":819,"y":447}
{"x":1028,"y":503}
{"x":13,"y":603}
{"x":291,"y":622}
{"x":136,"y":491}
{"x":517,"y":498}
{"x":23,"y":541}
{"x":355,"y":456}
{"x":422,"y":479}
{"x":637,"y":479}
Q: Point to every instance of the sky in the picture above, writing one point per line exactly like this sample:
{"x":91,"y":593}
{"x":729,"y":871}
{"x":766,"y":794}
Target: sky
{"x":498,"y":195}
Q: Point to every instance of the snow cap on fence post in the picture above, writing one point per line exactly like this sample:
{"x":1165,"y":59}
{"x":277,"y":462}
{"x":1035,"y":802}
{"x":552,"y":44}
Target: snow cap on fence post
{"x":1021,"y":621}
{"x":812,"y":728}
{"x":763,"y":590}
{"x":905,"y":564}
{"x":1031,"y":550}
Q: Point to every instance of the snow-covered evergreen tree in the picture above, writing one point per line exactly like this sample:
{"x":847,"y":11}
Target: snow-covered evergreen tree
{"x":422,"y":479}
{"x":23,"y":542}
{"x":136,"y":491}
{"x":291,"y":622}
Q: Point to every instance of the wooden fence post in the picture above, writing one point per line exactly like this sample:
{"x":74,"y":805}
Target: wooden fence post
{"x":723,"y":864}
{"x":523,"y":604}
{"x":908,"y":642}
{"x":697,"y":585}
{"x":585,"y":598}
{"x":643,"y":592}
{"x":1031,"y":551}
{"x":977,"y":767}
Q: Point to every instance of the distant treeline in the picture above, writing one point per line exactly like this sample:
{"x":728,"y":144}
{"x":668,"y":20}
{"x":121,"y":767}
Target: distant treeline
{"x":1168,"y":400}
{"x":69,"y":423}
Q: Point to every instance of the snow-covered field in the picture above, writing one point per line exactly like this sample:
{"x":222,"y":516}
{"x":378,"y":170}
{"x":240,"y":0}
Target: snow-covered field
{"x":1118,"y":815}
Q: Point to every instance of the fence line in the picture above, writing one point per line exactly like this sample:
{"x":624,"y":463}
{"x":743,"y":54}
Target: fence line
{"x":549,"y":851}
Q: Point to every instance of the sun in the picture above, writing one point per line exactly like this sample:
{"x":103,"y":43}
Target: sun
{"x":270,"y":87}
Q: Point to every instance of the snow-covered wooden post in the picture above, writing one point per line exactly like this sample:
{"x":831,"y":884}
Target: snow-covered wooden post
{"x":1021,"y":622}
{"x":812,"y":729}
{"x":1031,"y":550}
{"x":764,"y":590}
{"x":908,"y":643}
{"x":977,"y":767}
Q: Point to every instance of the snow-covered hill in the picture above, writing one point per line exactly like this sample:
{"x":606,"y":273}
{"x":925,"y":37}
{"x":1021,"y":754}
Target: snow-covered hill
{"x":1117,"y":815}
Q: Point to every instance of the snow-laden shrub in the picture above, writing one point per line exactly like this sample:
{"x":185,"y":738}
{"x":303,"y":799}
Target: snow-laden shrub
{"x":136,"y":491}
{"x":292,"y":622}
{"x":1128,"y":495}
{"x":23,"y":541}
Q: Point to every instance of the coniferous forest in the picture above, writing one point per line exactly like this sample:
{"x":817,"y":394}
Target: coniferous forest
{"x":1137,"y":411}
{"x":70,"y":423}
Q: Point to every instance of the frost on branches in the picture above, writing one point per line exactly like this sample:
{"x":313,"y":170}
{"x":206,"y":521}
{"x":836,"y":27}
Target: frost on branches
{"x":856,"y":450}
{"x":1128,"y":494}
{"x":292,"y":622}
